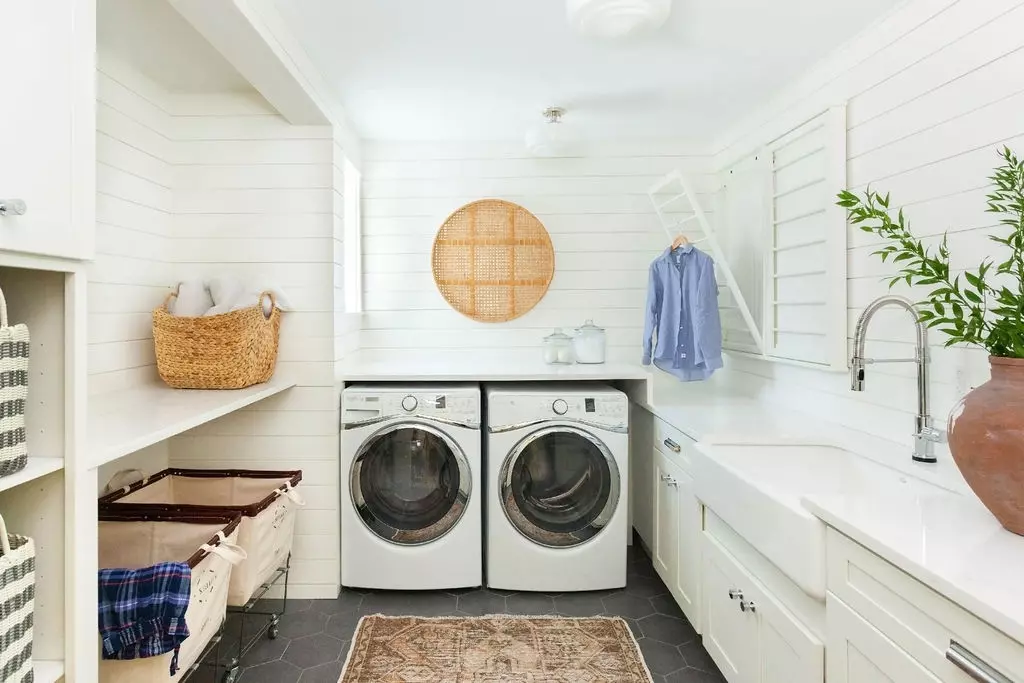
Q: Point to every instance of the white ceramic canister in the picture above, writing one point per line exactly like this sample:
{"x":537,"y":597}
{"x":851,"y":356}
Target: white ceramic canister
{"x":589,"y":343}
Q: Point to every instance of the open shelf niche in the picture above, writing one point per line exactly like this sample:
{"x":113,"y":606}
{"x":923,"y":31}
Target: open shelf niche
{"x":32,"y":502}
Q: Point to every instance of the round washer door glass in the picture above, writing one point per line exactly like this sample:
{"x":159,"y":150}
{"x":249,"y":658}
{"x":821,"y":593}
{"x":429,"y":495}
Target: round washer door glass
{"x":410,"y":483}
{"x":560,"y":487}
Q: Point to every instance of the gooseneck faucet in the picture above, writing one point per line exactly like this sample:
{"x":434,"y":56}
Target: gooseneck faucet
{"x":925,"y":435}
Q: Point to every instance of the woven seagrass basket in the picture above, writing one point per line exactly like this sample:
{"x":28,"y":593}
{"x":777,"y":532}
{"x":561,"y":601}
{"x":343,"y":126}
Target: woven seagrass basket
{"x":228,"y":351}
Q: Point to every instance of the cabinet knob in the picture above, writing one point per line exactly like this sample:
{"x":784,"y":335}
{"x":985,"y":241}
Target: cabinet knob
{"x":672,"y":445}
{"x":12,"y":207}
{"x":748,"y":606}
{"x":735,"y":594}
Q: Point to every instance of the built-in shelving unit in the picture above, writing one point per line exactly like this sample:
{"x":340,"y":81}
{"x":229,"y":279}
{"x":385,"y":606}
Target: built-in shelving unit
{"x":37,"y":467}
{"x":128,"y":421}
{"x":48,"y":671}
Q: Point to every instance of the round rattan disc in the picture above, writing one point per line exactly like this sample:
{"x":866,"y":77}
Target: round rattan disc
{"x":493,"y":260}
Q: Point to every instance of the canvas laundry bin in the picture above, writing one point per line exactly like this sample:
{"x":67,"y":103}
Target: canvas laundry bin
{"x":17,"y":604}
{"x":207,"y":543}
{"x":266,"y":500}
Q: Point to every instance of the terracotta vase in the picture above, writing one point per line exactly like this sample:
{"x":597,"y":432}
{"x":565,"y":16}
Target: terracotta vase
{"x":986,"y":436}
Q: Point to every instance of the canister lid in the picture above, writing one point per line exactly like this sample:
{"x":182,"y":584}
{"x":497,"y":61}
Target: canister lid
{"x":589,"y":326}
{"x":558,"y":335}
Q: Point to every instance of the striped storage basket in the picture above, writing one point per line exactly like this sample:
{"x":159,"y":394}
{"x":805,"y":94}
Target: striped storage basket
{"x":14,"y":344}
{"x":17,"y":601}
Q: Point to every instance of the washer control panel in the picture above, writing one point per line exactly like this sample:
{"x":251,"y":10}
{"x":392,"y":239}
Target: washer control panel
{"x":607,"y":408}
{"x":463,"y":408}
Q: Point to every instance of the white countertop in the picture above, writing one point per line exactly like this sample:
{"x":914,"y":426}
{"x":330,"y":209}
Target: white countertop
{"x":480,"y":368}
{"x":947,"y":541}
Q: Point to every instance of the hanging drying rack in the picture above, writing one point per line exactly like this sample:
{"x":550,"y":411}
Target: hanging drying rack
{"x":678,"y":188}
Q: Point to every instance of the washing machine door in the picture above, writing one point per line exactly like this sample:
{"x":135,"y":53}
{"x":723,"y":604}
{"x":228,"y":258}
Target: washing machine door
{"x":560,"y":486}
{"x":410,"y":483}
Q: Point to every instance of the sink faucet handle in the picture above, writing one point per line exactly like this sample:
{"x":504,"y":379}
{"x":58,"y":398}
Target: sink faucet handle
{"x":933,"y":434}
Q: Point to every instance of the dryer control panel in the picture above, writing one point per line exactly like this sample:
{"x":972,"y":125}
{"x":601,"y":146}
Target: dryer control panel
{"x":603,"y":408}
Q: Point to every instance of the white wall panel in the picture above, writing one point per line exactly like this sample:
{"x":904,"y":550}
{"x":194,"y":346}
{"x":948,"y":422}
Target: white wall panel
{"x":932,"y":92}
{"x":602,"y":225}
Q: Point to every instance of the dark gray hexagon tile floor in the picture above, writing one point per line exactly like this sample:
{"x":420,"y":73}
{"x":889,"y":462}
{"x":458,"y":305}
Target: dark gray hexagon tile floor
{"x":315,"y":634}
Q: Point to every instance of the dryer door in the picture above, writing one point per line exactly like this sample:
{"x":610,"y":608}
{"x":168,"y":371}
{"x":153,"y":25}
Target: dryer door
{"x":410,"y":483}
{"x":560,"y":486}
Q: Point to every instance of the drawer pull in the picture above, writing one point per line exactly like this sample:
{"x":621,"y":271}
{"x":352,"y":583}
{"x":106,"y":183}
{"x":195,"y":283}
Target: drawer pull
{"x":735,"y":594}
{"x":664,"y":477}
{"x":973,"y":665}
{"x":672,"y":445}
{"x":748,"y":606}
{"x":672,"y":482}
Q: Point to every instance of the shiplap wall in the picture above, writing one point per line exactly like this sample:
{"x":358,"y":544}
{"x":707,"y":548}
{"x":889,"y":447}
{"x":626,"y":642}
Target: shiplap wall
{"x":199,"y":186}
{"x":933,"y":90}
{"x":602,"y":224}
{"x":133,"y":214}
{"x":255,"y":198}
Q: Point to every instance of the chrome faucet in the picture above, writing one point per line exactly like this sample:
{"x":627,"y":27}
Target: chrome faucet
{"x":925,"y":436}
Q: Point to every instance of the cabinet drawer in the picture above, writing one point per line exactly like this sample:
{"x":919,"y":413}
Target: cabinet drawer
{"x":673,"y":443}
{"x":915,"y":617}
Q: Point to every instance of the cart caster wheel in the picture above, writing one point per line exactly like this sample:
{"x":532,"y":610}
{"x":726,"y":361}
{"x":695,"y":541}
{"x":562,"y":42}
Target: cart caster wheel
{"x":231,"y":675}
{"x":272,"y":633}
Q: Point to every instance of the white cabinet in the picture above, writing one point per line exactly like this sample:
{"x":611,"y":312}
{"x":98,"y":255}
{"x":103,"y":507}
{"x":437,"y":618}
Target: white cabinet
{"x":641,"y":473}
{"x":677,"y":522}
{"x":47,"y":126}
{"x":859,"y":653}
{"x":666,"y":520}
{"x":730,"y":634}
{"x":747,"y":631}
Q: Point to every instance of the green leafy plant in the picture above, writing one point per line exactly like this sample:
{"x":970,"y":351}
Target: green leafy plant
{"x":983,"y":306}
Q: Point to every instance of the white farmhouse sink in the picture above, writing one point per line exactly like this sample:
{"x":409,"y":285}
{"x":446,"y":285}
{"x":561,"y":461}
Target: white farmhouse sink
{"x":758,"y":489}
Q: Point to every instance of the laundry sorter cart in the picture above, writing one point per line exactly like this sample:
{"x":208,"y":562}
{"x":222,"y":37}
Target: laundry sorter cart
{"x":267,"y":502}
{"x":208,"y":544}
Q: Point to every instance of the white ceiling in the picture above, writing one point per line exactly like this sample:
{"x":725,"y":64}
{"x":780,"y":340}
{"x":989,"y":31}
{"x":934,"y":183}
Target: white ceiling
{"x":485,"y":69}
{"x":159,"y":42}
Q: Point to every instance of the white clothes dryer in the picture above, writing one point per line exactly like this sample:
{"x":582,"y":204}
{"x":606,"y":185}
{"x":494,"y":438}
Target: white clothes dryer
{"x":411,"y":517}
{"x":557,"y":478}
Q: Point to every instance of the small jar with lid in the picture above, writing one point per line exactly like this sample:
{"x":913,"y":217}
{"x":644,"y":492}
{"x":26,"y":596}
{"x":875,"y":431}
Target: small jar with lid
{"x":589,"y":343}
{"x":558,"y":348}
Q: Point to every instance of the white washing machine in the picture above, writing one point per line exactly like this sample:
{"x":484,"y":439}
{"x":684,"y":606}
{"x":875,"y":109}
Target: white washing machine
{"x":411,"y":516}
{"x":557,"y":476}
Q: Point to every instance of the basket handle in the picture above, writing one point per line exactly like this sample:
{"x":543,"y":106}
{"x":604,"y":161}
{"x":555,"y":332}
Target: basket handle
{"x":273,"y":302}
{"x":5,"y":543}
{"x":3,"y":322}
{"x":120,"y":473}
{"x":291,"y":494}
{"x":229,"y":551}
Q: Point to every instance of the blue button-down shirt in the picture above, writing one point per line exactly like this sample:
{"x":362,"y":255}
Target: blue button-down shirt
{"x":682,"y":328}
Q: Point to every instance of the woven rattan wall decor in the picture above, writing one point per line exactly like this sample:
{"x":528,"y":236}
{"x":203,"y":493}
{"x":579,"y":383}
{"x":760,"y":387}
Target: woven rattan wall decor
{"x":493,"y":260}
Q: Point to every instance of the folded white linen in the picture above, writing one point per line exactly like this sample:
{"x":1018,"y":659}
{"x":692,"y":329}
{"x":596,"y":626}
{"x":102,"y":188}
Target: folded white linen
{"x":193,"y":299}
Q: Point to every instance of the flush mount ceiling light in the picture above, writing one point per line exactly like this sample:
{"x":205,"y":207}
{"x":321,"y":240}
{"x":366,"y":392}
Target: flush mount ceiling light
{"x":617,"y":18}
{"x":551,"y":137}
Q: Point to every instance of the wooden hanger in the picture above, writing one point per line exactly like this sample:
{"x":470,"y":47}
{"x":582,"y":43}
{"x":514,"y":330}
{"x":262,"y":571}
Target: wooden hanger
{"x":680,"y":241}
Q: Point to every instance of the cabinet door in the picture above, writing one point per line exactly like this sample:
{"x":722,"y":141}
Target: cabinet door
{"x":47,"y":126}
{"x":730,"y":634}
{"x":859,"y":653}
{"x":666,"y":519}
{"x":686,"y":587}
{"x":789,"y":653}
{"x":641,"y":473}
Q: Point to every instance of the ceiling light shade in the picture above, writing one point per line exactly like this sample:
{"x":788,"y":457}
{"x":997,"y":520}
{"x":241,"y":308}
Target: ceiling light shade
{"x":617,"y":18}
{"x":551,"y":137}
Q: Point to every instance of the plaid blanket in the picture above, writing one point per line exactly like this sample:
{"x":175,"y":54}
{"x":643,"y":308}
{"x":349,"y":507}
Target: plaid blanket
{"x":142,"y":611}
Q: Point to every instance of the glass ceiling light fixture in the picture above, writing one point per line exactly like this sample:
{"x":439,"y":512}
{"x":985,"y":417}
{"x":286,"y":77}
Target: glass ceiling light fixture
{"x":550,"y":138}
{"x":617,"y":19}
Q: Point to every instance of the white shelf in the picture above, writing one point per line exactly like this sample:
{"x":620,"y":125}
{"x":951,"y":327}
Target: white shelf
{"x":48,"y":670}
{"x":127,"y":421}
{"x":36,"y":467}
